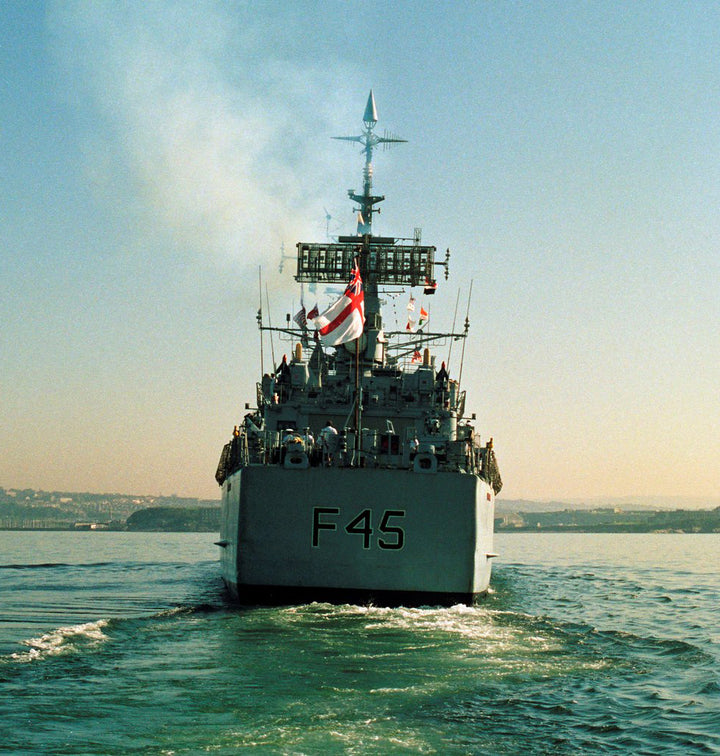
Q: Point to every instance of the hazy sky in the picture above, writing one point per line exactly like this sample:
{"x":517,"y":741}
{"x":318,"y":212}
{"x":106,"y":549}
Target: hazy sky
{"x":153,"y":154}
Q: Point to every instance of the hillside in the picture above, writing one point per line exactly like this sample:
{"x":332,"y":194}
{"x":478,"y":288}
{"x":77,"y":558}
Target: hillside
{"x":62,"y":510}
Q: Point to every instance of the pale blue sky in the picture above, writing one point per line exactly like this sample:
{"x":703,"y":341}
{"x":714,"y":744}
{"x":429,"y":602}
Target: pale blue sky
{"x":154,"y":154}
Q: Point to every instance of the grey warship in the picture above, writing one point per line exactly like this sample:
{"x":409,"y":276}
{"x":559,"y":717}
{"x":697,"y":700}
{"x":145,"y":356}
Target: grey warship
{"x":358,"y":476}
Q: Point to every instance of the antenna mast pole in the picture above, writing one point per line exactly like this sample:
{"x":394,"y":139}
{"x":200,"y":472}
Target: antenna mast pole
{"x":366,"y":201}
{"x":467,"y":328}
{"x":260,"y":321}
{"x":272,"y":345}
{"x":369,"y":140}
{"x":457,"y":302}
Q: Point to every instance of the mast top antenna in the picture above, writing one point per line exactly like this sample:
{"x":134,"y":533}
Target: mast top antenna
{"x":370,"y":118}
{"x":368,"y":139}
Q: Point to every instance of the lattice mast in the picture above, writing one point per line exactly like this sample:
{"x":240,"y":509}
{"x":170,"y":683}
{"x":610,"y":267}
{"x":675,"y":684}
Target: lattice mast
{"x":384,"y":261}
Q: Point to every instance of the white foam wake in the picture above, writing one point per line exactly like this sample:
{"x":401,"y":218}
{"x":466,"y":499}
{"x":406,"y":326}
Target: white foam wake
{"x":63,"y":640}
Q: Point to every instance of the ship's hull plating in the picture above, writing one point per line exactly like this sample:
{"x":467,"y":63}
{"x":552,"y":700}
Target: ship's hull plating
{"x":384,"y":536}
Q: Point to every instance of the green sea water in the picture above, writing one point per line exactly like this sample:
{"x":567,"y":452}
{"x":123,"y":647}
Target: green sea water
{"x":123,"y":643}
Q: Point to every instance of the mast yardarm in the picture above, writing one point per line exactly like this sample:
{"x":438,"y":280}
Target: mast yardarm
{"x":383,"y":260}
{"x":369,"y":140}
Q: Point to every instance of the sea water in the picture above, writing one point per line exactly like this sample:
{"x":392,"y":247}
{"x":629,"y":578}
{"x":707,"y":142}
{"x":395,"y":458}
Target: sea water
{"x":123,"y":643}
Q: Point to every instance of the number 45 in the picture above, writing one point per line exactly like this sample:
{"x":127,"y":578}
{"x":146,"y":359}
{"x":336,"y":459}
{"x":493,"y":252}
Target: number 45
{"x":362,"y":525}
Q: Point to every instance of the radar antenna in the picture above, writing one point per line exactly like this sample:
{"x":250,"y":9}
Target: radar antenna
{"x":383,"y":260}
{"x":369,"y":140}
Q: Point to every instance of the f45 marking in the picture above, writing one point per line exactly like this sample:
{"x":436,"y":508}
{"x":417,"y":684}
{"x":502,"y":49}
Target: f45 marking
{"x":389,"y":536}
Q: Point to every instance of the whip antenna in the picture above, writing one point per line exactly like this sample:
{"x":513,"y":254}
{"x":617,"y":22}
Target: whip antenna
{"x":467,"y":328}
{"x":457,"y":302}
{"x":260,"y":321}
{"x":272,"y":344}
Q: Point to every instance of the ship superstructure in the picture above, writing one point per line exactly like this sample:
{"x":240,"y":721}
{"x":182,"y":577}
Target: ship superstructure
{"x":358,"y":475}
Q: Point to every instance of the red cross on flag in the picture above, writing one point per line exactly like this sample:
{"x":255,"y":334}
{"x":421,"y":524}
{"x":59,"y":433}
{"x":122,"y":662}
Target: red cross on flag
{"x":344,"y":320}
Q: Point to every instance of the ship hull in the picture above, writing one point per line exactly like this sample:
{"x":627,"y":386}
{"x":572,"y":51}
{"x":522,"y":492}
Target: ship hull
{"x":390,"y":537}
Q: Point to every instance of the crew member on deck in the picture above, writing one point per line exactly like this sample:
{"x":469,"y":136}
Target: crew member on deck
{"x":442,"y":378}
{"x":282,"y":380}
{"x":414,"y":443}
{"x":289,"y":435}
{"x":328,"y":439}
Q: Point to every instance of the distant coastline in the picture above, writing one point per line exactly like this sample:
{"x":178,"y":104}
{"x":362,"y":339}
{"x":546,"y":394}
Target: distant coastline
{"x":30,"y":509}
{"x":610,"y":520}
